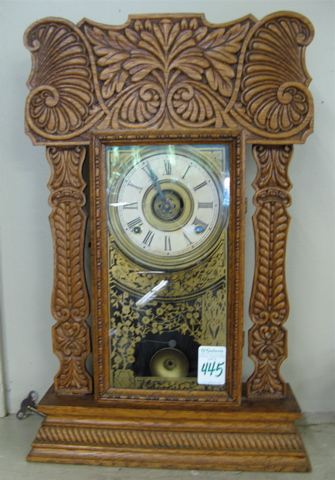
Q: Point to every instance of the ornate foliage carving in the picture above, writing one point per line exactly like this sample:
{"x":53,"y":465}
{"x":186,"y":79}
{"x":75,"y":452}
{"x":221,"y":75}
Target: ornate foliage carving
{"x":169,"y":72}
{"x":275,"y":101}
{"x":166,"y":73}
{"x":61,"y":81}
{"x":269,"y":302}
{"x":69,"y":300}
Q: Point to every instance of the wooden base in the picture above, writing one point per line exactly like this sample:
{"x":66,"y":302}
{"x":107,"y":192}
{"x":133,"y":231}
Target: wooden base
{"x":258,"y":435}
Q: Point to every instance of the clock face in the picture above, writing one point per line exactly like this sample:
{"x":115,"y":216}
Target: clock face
{"x":166,"y":205}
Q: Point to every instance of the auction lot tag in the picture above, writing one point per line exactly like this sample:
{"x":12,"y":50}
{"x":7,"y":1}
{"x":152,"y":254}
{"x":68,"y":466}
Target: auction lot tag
{"x":212,"y":365}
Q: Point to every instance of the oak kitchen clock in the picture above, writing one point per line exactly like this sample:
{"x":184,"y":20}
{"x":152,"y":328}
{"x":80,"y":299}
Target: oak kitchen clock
{"x":159,"y":111}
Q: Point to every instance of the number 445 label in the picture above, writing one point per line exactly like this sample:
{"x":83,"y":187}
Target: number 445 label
{"x":212,"y":365}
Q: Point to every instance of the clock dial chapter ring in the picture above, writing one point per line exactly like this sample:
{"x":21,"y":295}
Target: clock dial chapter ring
{"x":172,"y":215}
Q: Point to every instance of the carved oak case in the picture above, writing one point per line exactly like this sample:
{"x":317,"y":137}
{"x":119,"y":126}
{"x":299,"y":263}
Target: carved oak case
{"x":156,"y":84}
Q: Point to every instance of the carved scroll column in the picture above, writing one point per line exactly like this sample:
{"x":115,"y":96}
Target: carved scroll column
{"x":269,"y":302}
{"x":58,"y":110}
{"x":70,"y":305}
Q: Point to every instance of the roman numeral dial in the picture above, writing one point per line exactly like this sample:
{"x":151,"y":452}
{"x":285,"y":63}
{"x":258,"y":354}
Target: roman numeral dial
{"x":167,"y":207}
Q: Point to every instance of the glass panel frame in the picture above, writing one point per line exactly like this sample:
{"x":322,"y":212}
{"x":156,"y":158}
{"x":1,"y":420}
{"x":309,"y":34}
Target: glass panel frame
{"x":125,"y":277}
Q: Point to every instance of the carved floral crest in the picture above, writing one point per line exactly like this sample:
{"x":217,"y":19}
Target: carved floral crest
{"x":165,"y":73}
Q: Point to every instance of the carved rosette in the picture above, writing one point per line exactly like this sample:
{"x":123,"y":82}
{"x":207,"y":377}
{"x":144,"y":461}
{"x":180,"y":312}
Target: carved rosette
{"x":269,"y":302}
{"x":70,"y":304}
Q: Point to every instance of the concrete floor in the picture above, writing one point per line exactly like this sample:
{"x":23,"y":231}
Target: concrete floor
{"x":317,"y":431}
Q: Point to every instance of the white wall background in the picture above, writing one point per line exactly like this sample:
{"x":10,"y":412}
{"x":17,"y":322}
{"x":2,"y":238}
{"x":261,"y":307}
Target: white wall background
{"x":26,"y":249}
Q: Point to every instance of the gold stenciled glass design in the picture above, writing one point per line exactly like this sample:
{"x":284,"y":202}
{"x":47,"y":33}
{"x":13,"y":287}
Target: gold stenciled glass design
{"x":168,"y":212}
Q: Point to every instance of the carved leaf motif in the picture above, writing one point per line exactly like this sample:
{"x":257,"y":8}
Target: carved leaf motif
{"x":68,"y":298}
{"x":166,"y":67}
{"x":73,"y":377}
{"x":270,"y":296}
{"x":62,"y":85}
{"x":193,"y":103}
{"x":66,"y":164}
{"x":262,"y":88}
{"x":112,"y":49}
{"x":274,"y":164}
{"x":267,"y":381}
{"x":220,"y":48}
{"x":268,"y":344}
{"x":139,"y":108}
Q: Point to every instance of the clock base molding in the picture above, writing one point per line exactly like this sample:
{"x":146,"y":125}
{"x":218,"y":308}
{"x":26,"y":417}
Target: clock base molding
{"x":258,"y":435}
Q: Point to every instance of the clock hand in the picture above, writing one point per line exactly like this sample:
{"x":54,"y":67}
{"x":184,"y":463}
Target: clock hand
{"x":155,"y":181}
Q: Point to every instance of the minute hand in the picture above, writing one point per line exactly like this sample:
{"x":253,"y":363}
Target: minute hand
{"x":155,"y":181}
